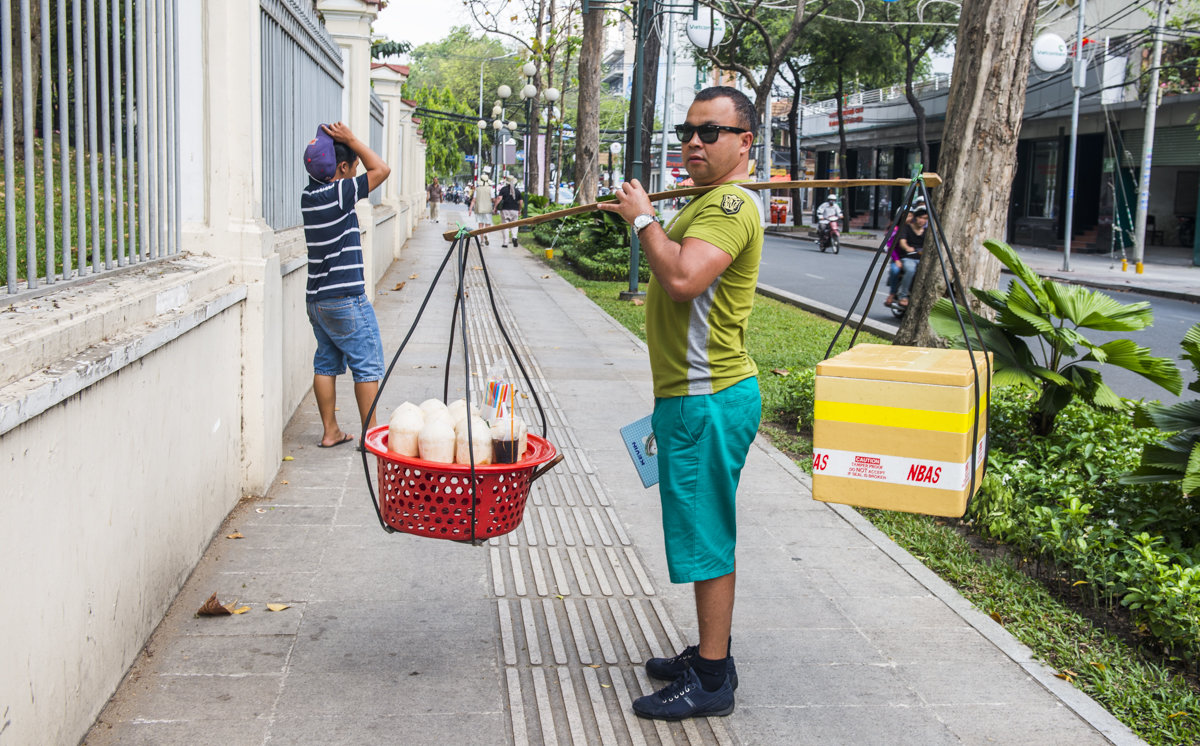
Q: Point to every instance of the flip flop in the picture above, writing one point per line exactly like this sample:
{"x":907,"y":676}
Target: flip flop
{"x":346,"y":439}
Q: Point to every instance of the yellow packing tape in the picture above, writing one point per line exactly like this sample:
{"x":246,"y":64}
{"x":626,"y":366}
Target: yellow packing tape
{"x":916,"y":419}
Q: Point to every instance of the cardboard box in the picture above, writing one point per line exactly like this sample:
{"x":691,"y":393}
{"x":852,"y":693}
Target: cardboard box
{"x":894,"y":428}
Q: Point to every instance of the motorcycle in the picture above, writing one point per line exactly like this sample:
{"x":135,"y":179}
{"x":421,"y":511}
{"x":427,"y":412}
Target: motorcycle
{"x":828,"y":235}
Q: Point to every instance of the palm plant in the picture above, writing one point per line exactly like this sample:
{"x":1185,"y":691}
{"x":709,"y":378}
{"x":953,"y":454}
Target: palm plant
{"x":1177,"y":457}
{"x":1050,"y":314}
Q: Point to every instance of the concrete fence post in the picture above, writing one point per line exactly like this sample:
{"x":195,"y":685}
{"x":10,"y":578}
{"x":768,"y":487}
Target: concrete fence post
{"x":388,"y":81}
{"x":221,"y":199}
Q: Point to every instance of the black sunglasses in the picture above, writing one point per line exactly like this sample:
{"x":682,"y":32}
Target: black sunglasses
{"x":708,"y":132}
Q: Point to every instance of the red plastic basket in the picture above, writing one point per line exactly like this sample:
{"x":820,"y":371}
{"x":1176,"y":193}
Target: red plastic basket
{"x":433,"y":499}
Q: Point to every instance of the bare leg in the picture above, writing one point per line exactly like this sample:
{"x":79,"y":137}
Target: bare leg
{"x":364,"y":393}
{"x":326,"y":392}
{"x":714,"y":614}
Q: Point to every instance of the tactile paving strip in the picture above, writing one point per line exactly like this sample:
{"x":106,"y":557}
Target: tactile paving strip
{"x":576,"y":612}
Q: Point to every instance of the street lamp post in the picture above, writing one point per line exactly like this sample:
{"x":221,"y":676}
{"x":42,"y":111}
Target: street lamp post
{"x":529,"y":94}
{"x":482,"y":123}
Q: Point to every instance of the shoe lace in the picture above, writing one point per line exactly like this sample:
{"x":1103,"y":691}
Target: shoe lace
{"x":677,"y":689}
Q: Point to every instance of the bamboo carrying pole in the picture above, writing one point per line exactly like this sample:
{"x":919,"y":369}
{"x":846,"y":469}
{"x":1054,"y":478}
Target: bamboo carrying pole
{"x":930,"y":179}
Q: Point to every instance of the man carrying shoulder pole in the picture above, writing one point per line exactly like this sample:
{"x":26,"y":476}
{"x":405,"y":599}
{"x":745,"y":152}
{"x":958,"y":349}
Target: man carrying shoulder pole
{"x":707,"y":405}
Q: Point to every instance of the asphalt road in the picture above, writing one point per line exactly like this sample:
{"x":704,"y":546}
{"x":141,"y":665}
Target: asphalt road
{"x":799,"y":267}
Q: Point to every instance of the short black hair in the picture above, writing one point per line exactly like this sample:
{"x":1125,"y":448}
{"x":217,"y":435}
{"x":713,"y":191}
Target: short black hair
{"x":746,"y":113}
{"x":342,"y":152}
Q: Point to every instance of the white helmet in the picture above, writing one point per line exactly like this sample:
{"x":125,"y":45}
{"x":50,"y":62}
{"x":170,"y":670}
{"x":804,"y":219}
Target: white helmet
{"x":831,"y":197}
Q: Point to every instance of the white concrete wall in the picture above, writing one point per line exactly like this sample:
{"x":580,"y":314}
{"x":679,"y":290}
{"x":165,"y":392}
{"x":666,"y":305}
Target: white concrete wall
{"x":119,"y":462}
{"x":138,"y":407}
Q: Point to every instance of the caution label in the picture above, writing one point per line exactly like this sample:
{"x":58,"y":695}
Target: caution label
{"x":873,"y":467}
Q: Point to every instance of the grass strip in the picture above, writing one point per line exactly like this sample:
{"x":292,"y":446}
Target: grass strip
{"x":1156,"y":703}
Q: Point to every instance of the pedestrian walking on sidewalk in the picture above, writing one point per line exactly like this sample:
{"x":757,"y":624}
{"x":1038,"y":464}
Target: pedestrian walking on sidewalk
{"x":511,"y":204}
{"x":434,"y":194}
{"x":707,"y":405}
{"x":341,"y":316}
{"x":483,"y":202}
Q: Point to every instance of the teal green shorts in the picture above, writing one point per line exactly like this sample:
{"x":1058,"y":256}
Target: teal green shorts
{"x":702,"y":445}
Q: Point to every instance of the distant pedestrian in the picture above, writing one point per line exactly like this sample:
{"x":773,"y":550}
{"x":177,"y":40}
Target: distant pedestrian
{"x":341,"y":316}
{"x":483,"y":203}
{"x":434,"y":194}
{"x":511,"y":204}
{"x":707,"y":404}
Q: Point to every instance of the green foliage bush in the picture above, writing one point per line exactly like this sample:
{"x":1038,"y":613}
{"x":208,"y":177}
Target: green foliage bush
{"x":595,"y":243}
{"x":1059,"y":497}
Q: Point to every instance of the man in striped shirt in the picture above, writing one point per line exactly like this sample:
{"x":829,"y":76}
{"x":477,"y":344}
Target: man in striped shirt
{"x":341,"y":316}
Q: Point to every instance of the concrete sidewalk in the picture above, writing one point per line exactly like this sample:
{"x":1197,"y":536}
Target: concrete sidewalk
{"x":1167,"y":271}
{"x":540,"y":636}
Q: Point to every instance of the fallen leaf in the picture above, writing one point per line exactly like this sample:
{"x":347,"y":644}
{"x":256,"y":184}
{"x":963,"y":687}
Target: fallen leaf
{"x":212,"y":607}
{"x":412,"y":277}
{"x":1097,"y":665}
{"x":277,"y":607}
{"x":1176,"y":714}
{"x":594,"y":665}
{"x":476,"y":267}
{"x":241,"y":610}
{"x":399,"y":286}
{"x":607,"y":686}
{"x":545,"y":277}
{"x":230,"y":606}
{"x":288,"y":458}
{"x":559,"y":597}
{"x":781,"y":371}
{"x":235,"y":535}
{"x":996,"y":618}
{"x":284,"y":481}
{"x":260,"y":510}
{"x":639,"y":302}
{"x":1078,"y":582}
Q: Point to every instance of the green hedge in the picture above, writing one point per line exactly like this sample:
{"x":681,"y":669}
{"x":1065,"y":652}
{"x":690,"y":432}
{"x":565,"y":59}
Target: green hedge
{"x":595,"y":243}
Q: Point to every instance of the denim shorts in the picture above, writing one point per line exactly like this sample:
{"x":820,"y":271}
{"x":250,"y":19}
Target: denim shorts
{"x":702,"y":446}
{"x":347,"y":334}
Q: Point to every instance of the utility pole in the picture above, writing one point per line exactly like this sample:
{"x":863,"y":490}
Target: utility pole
{"x":1078,"y":79}
{"x":1139,"y":247}
{"x":635,"y":149}
{"x":668,"y":100}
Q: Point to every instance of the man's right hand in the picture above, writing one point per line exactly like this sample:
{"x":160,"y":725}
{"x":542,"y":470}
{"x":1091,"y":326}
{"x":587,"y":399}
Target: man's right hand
{"x":339,"y":132}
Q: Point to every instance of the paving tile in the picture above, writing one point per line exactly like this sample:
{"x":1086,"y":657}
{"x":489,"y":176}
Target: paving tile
{"x":195,"y":698}
{"x":177,"y":733}
{"x":225,"y":655}
{"x":1017,"y":724}
{"x":974,"y":683}
{"x":415,"y":728}
{"x":837,"y":726}
{"x":764,"y":683}
{"x":911,"y":613}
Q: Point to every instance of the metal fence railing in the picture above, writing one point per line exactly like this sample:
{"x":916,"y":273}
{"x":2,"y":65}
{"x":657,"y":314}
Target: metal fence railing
{"x":301,"y":88}
{"x":376,"y":140}
{"x":922,"y":88}
{"x":90,"y":137}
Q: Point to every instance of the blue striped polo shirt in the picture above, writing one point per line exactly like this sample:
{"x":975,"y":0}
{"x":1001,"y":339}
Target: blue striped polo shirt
{"x":335,"y":260}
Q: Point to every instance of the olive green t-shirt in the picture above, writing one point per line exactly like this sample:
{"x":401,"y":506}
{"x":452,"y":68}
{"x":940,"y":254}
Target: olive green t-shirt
{"x":699,"y":347}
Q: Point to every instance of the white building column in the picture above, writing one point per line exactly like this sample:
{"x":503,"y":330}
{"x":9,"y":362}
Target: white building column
{"x":388,"y":83}
{"x":221,"y":169}
{"x":349,"y":23}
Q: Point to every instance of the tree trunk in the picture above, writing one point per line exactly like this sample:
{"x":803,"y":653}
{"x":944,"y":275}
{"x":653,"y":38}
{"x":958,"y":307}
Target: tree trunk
{"x":978,"y":157}
{"x":587,"y":125}
{"x":918,"y":110}
{"x":841,"y":110}
{"x":532,"y":162}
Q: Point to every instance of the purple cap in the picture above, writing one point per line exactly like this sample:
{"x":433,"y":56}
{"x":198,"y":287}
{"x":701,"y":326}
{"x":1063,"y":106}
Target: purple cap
{"x":319,"y":156}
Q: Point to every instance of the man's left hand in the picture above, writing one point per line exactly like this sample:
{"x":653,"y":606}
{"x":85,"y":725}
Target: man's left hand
{"x":631,"y":201}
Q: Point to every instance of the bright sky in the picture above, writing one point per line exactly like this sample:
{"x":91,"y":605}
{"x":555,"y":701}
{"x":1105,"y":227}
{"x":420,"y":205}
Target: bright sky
{"x":415,"y":22}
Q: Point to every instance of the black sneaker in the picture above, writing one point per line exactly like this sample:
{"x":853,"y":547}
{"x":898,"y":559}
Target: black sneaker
{"x":515,"y":241}
{"x":685,"y":698}
{"x":669,"y":669}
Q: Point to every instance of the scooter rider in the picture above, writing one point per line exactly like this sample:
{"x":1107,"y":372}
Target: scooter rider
{"x":826,"y":211}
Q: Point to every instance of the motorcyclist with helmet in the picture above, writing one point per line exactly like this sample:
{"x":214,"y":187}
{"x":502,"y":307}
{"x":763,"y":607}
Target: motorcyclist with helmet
{"x":827,"y":211}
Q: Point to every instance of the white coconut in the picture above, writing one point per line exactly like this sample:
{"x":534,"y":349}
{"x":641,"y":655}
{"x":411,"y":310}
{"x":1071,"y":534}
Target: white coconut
{"x":409,"y":407}
{"x":480,"y":440}
{"x":403,"y":430}
{"x":429,"y":406}
{"x":436,"y":441}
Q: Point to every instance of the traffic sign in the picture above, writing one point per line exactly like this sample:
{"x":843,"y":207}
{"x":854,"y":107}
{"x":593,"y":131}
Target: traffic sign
{"x":676,"y":173}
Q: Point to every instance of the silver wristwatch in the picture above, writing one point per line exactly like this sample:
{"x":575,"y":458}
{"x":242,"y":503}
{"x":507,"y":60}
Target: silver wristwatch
{"x":641,"y":221}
